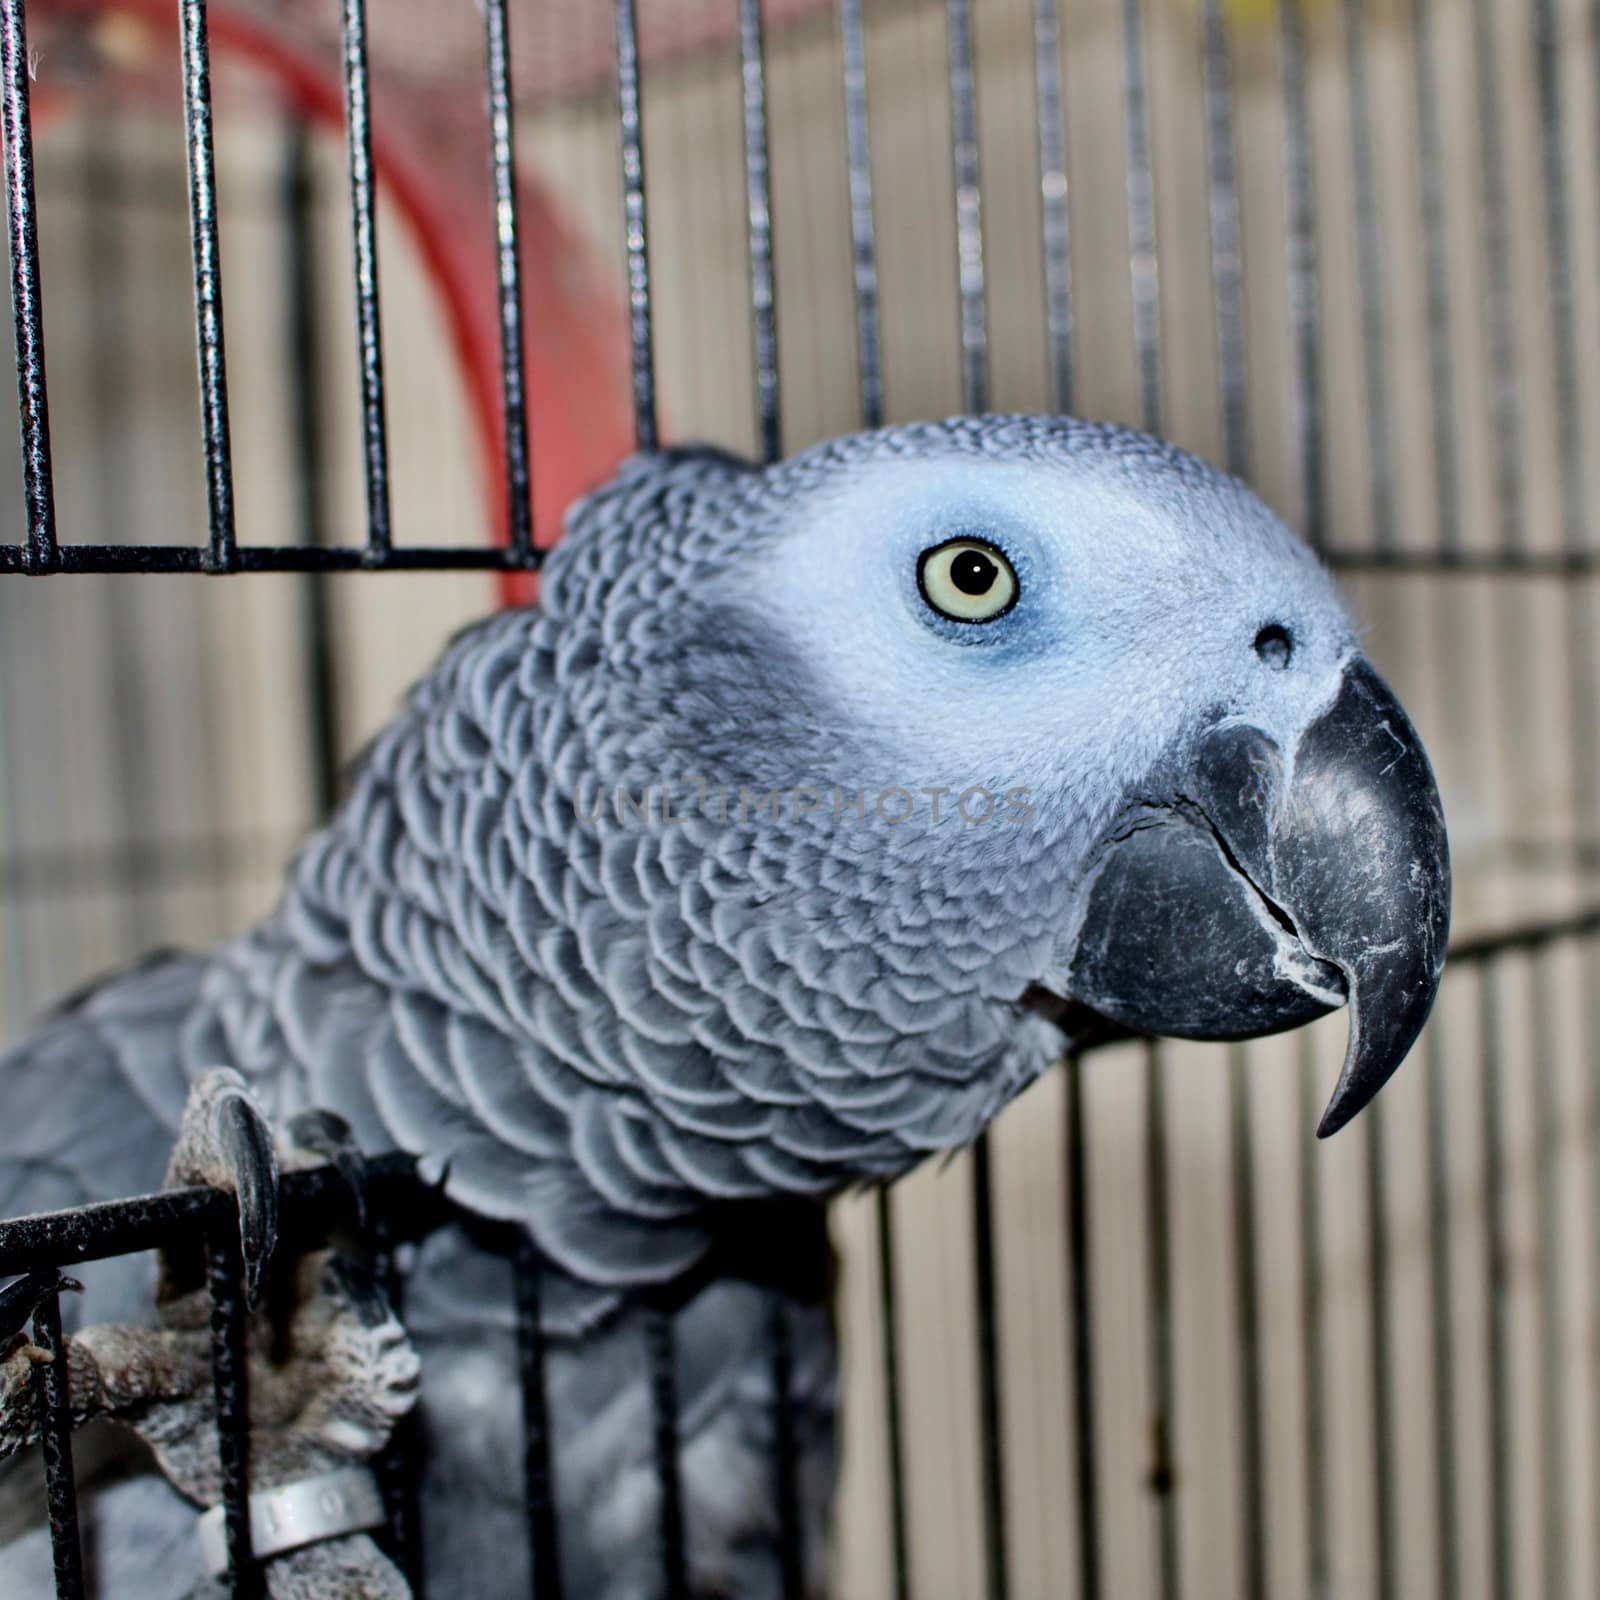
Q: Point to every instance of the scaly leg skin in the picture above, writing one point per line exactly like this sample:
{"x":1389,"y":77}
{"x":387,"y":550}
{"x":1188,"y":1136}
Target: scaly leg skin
{"x":369,"y":1374}
{"x":136,"y":1375}
{"x":344,"y":1375}
{"x":224,"y":1142}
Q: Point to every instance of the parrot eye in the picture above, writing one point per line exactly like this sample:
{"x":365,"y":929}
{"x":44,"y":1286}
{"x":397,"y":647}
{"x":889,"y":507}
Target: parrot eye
{"x":967,"y":580}
{"x":1274,"y":646}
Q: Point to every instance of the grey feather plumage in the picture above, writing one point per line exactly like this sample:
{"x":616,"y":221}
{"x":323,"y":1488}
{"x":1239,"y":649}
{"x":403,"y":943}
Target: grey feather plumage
{"x":602,"y":1028}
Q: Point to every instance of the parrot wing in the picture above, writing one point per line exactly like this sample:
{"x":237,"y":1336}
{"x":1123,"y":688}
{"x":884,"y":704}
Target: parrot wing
{"x":92,"y":1100}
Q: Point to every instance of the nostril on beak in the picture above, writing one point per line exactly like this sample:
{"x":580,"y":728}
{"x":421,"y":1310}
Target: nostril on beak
{"x":1274,"y":646}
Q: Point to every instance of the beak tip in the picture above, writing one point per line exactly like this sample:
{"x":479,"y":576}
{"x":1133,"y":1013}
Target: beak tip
{"x":1360,"y":1077}
{"x":1334,"y":1118}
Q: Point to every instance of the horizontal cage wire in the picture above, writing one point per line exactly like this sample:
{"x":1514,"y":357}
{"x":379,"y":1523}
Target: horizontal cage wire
{"x":1143,"y":1339}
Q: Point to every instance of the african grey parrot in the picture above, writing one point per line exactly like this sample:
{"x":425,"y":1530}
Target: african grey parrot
{"x":771,"y":851}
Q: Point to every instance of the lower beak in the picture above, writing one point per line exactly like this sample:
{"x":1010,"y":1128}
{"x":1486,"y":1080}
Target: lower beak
{"x":1266,"y":892}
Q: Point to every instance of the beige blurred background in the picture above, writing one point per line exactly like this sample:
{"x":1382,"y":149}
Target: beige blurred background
{"x":157,"y":757}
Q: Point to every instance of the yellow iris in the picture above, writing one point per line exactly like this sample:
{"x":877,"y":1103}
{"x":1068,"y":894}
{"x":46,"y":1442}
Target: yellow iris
{"x":967,"y":580}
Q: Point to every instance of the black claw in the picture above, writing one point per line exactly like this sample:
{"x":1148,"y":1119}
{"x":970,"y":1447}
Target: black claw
{"x":245,"y":1143}
{"x":349,"y":1281}
{"x":327,"y":1134}
{"x":434,"y":1170}
{"x":22,"y":1297}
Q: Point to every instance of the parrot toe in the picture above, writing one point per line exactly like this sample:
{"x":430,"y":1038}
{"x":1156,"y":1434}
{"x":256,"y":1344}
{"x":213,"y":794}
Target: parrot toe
{"x":326,"y":1135}
{"x":224,"y":1142}
{"x":245,"y":1143}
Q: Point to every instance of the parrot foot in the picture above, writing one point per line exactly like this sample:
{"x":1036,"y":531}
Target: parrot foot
{"x":330,"y":1374}
{"x":224,"y":1142}
{"x":19,"y":1402}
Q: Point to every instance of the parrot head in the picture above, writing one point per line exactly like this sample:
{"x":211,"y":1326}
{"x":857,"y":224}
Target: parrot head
{"x":1019,"y":716}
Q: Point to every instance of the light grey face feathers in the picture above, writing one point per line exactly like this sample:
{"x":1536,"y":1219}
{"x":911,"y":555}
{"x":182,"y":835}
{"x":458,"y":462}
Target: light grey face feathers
{"x":1142,"y":580}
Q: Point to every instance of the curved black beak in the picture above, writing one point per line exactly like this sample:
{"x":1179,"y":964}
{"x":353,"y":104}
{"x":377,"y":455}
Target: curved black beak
{"x":1263,"y":891}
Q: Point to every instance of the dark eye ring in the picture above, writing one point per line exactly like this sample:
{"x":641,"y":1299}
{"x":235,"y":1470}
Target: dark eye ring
{"x":1274,"y":645}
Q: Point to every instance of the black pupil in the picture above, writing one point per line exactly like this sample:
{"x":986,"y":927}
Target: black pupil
{"x":972,"y":572}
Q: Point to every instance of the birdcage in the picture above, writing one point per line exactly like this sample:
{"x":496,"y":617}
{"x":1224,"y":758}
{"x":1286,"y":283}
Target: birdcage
{"x":1147,"y":1337}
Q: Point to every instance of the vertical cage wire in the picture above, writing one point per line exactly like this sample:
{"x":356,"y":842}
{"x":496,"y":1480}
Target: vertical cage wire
{"x":1162,"y":1470}
{"x":1055,"y":218}
{"x":1565,"y":348}
{"x":230,"y":1372}
{"x":1143,"y":269}
{"x":1502,"y":1560}
{"x":1314,"y":1442}
{"x":785,"y":1449}
{"x":538,"y":1468}
{"x":630,"y":128}
{"x":1436,"y":275}
{"x":758,"y":228}
{"x":986,"y":1289}
{"x":1499,"y":313}
{"x":1086,"y":1460}
{"x":1553,"y":1462}
{"x":61,"y":1490}
{"x":518,"y":485}
{"x":364,"y":229}
{"x":27,"y":301}
{"x":894,"y":1424}
{"x":400,"y":1463}
{"x":1441,"y":1294}
{"x":1302,"y":273}
{"x":1247,"y":1312}
{"x":1227,"y":252}
{"x":661,"y":1345}
{"x":969,"y":207}
{"x":203,"y":223}
{"x":1589,"y":978}
{"x":1371,"y":274}
{"x":863,"y":241}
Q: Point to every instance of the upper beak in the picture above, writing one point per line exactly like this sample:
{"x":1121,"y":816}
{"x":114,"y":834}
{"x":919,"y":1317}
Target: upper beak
{"x":1267,"y":888}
